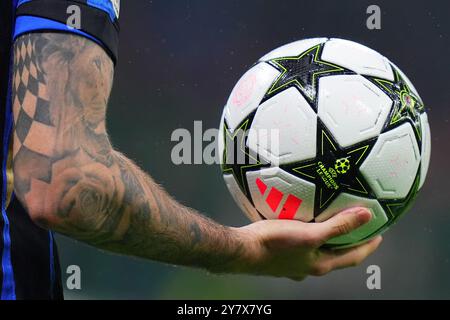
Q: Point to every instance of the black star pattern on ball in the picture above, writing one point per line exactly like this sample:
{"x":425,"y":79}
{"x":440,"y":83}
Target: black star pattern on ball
{"x":303,"y":72}
{"x":237,"y":157}
{"x":334,"y":170}
{"x":406,"y":105}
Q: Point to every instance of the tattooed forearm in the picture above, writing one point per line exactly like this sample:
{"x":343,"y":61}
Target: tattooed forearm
{"x":68,"y":175}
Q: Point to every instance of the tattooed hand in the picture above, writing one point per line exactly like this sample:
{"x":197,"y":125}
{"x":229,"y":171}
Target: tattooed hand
{"x":71,"y":180}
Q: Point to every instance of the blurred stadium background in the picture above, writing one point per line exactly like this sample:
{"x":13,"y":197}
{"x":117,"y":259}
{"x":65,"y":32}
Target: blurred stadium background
{"x":178,"y":63}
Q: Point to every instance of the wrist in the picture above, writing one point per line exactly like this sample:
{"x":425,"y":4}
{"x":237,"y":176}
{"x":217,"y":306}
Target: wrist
{"x":242,"y":254}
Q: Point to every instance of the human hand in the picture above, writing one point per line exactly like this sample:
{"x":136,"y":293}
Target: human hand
{"x":292,"y":249}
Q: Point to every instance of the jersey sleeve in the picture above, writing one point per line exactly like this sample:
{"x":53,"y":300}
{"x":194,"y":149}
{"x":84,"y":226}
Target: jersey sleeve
{"x":98,"y":20}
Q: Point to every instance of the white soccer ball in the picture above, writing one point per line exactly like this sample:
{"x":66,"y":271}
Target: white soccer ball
{"x":321,"y":125}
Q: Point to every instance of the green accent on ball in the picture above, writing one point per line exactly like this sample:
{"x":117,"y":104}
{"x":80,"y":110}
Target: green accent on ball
{"x":342,"y":166}
{"x":406,"y":105}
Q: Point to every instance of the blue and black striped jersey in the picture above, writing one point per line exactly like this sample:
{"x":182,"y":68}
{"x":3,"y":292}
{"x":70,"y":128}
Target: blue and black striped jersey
{"x":29,"y":260}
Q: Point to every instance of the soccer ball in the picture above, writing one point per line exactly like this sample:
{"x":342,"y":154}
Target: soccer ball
{"x":321,"y":125}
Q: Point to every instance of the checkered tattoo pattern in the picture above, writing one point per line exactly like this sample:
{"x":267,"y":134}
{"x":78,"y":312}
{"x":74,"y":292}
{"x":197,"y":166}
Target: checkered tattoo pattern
{"x":30,"y":99}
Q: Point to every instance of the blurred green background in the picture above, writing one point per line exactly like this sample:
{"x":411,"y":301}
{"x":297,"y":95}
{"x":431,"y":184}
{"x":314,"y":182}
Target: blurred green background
{"x":179,"y":60}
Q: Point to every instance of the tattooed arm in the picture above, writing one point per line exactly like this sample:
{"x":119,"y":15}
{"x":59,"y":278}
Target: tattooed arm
{"x":71,"y":180}
{"x":68,"y":175}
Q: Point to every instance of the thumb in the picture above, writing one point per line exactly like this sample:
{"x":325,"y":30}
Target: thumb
{"x":344,"y":222}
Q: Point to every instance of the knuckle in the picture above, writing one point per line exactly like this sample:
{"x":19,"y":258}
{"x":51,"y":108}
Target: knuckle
{"x":343,"y":228}
{"x":357,"y":261}
{"x":354,"y":263}
{"x":360,"y":260}
{"x":298,"y":278}
{"x":320,"y":270}
{"x":310,"y":239}
{"x":312,"y":242}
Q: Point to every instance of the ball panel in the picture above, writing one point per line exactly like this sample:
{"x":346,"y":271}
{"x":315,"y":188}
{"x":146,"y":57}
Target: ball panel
{"x":391,"y":167}
{"x":280,"y":195}
{"x":426,"y":148}
{"x":248,"y":93}
{"x":241,"y":199}
{"x":352,"y":108}
{"x":293,"y":49}
{"x":358,"y":58}
{"x":284,"y":129}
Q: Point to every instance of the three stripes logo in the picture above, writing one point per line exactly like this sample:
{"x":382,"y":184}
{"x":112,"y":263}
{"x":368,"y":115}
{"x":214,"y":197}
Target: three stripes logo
{"x":274,"y":199}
